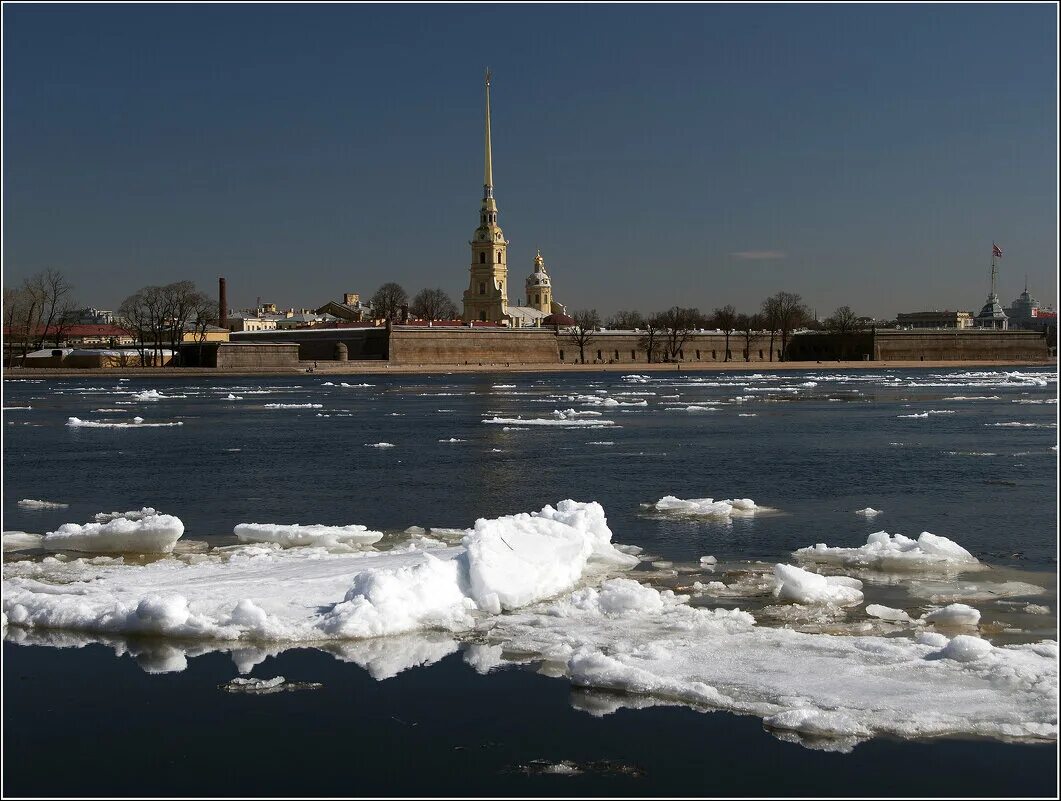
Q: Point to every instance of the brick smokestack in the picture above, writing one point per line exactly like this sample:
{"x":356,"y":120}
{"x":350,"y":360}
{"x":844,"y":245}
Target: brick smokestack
{"x":222,"y":304}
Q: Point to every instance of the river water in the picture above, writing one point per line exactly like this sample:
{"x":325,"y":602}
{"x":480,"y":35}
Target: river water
{"x":969,"y":455}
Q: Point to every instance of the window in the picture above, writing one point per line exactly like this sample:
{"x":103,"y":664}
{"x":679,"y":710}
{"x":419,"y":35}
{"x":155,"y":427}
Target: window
{"x":616,"y":355}
{"x":482,"y":288}
{"x":499,"y":257}
{"x":698,"y":354}
{"x":537,"y":298}
{"x":561,"y":355}
{"x":760,"y":353}
{"x":482,"y":258}
{"x":599,"y":355}
{"x":482,"y":316}
{"x":633,"y":355}
{"x":714,"y":355}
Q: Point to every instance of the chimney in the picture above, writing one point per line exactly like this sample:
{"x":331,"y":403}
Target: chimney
{"x":222,"y":304}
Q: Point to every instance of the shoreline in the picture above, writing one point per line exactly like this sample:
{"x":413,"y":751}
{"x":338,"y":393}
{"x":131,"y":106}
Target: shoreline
{"x":383,"y":368}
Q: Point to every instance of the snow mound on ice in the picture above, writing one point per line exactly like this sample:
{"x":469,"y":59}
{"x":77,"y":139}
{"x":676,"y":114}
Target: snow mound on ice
{"x":805,"y":587}
{"x":869,"y":511}
{"x":291,"y":536}
{"x":884,"y":551}
{"x":707,"y":507}
{"x":965,"y":648}
{"x":134,"y":532}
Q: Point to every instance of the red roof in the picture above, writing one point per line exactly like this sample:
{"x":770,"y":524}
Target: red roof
{"x":558,"y":319}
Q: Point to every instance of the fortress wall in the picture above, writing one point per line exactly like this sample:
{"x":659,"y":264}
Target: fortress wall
{"x":472,"y":346}
{"x":263,"y":356}
{"x":628,"y":347}
{"x":956,"y":345}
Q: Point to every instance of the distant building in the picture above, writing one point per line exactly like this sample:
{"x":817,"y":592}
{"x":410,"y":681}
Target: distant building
{"x":246,"y":321}
{"x":935,"y":319}
{"x":352,"y":310}
{"x":1025,"y":312}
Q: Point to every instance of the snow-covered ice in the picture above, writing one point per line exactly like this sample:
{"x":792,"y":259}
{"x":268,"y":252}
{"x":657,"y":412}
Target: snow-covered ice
{"x":137,"y":422}
{"x":294,"y":535}
{"x":869,"y":511}
{"x":29,"y":503}
{"x":133,"y":532}
{"x":802,"y":586}
{"x":884,"y":551}
{"x":707,"y":507}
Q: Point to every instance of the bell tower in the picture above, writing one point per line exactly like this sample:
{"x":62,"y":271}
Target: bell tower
{"x":486,"y":298}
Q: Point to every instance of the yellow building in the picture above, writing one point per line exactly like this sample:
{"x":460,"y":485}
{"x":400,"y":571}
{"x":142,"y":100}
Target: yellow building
{"x":212,"y":334}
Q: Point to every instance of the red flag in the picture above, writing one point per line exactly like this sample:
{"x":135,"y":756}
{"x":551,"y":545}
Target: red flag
{"x":996,"y":251}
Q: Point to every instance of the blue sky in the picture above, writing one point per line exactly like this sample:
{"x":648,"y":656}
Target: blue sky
{"x":701,"y":155}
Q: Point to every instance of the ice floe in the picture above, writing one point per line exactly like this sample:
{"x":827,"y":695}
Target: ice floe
{"x":559,"y":422}
{"x":29,"y":503}
{"x":379,"y":445}
{"x":294,"y":535}
{"x":953,"y":615}
{"x":137,"y":422}
{"x":133,"y":532}
{"x":869,"y":511}
{"x":884,"y":551}
{"x":802,"y":586}
{"x":707,"y":507}
{"x":294,"y":406}
{"x":21,"y":540}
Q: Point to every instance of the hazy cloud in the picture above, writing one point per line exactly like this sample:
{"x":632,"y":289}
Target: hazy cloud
{"x":759,"y":255}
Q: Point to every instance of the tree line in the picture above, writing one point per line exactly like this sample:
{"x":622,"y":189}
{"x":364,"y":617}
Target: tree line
{"x":665,"y":333}
{"x":159,"y":316}
{"x":37,"y":311}
{"x":391,"y":300}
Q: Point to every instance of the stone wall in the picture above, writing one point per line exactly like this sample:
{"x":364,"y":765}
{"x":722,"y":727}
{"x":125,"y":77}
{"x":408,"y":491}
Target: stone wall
{"x":261,"y":356}
{"x":320,"y":344}
{"x":466,"y":345}
{"x":629,"y":347}
{"x":957,"y":345}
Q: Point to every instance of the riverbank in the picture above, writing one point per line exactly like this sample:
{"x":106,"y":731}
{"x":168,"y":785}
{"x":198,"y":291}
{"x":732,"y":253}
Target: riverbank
{"x":385,"y":368}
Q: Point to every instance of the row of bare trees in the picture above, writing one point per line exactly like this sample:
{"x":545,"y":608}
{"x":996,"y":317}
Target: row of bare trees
{"x":36,"y":312}
{"x":159,"y":316}
{"x":429,"y":304}
{"x":665,"y":333}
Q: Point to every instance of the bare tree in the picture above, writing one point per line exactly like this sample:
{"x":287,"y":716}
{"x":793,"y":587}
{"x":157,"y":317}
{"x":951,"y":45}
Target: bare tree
{"x":748,"y":326}
{"x":770,"y":317}
{"x":725,"y":318}
{"x":587,"y":321}
{"x":21,"y":319}
{"x":133,"y":314}
{"x":204,"y":314}
{"x":785,"y":312}
{"x":388,"y":301}
{"x":678,"y":324}
{"x":843,"y":321}
{"x":433,"y":304}
{"x":53,"y":292}
{"x":651,"y":342}
{"x":626,"y":320}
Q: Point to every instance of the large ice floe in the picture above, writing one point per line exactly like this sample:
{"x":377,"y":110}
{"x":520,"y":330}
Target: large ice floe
{"x":143,"y":531}
{"x":888,"y":552}
{"x":548,"y":589}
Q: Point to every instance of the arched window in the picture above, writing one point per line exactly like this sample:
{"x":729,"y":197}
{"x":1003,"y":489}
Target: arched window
{"x":482,"y":258}
{"x":482,"y":288}
{"x":499,"y":257}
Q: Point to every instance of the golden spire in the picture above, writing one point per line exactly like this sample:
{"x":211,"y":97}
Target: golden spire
{"x":488,"y":167}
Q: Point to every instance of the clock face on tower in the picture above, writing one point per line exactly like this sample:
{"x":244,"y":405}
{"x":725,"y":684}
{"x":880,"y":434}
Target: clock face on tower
{"x":482,"y":236}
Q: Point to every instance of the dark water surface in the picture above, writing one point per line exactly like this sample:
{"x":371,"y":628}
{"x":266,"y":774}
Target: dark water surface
{"x":80,"y":721}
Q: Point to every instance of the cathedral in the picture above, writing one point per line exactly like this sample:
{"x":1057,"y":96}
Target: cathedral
{"x":486,"y":298}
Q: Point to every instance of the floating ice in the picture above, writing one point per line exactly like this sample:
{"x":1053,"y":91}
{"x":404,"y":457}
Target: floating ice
{"x":294,"y":406}
{"x":263,"y":592}
{"x":965,"y":648}
{"x":148,"y":395}
{"x":267,"y":686}
{"x":883,"y":551}
{"x":136,"y":533}
{"x":953,"y":615}
{"x":804,"y":587}
{"x":566,"y":414}
{"x":29,"y":503}
{"x":291,"y":536}
{"x":919,"y":416}
{"x":379,"y":445}
{"x":887,"y":613}
{"x":707,"y":507}
{"x":824,"y":686}
{"x":138,"y":422}
{"x":869,"y":511}
{"x":538,"y":421}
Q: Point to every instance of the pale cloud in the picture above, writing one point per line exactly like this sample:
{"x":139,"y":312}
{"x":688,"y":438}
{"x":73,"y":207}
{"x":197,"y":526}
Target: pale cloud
{"x":759,"y":255}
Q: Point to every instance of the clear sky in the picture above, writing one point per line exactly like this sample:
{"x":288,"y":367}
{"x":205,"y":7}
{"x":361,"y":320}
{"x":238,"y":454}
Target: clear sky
{"x":699,"y":155}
